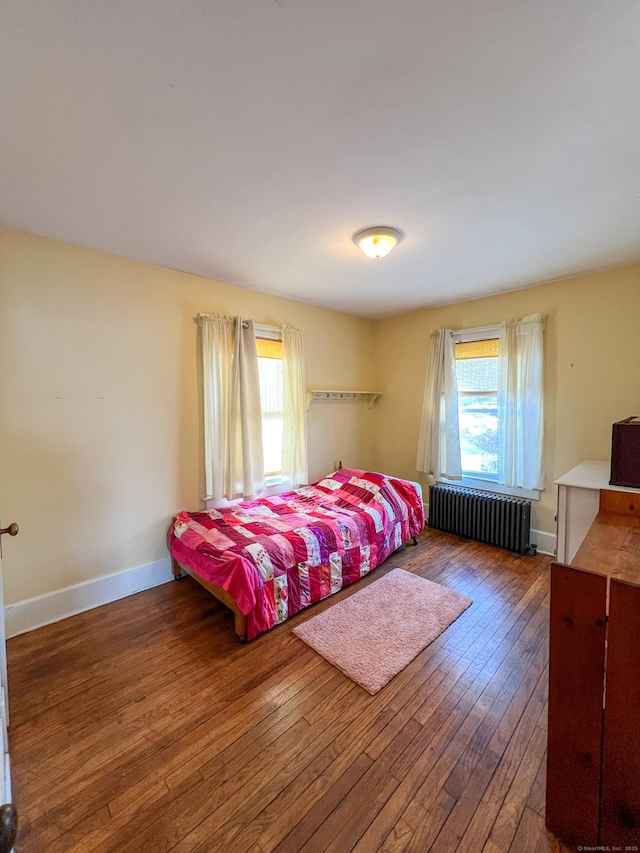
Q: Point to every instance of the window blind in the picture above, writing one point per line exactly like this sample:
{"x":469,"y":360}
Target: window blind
{"x":269,"y":349}
{"x":477,"y":349}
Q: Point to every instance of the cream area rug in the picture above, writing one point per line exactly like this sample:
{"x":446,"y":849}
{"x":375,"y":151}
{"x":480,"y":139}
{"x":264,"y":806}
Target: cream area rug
{"x":372,"y":635}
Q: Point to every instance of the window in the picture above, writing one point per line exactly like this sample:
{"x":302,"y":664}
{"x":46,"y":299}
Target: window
{"x":477,"y":373}
{"x":270,"y":376}
{"x":246,"y":393}
{"x":483,"y":411}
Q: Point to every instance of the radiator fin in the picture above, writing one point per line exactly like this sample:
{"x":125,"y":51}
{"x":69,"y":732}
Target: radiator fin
{"x":494,"y":519}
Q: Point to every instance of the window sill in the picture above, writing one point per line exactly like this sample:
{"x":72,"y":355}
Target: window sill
{"x":271,"y":488}
{"x":273,"y":480}
{"x":493,"y":487}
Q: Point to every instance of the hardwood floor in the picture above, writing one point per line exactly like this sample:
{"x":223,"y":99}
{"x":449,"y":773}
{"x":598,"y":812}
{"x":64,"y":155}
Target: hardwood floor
{"x":145,"y":726}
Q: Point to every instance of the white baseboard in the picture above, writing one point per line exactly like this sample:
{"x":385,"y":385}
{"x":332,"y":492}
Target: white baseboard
{"x":53,"y":606}
{"x":545,"y":542}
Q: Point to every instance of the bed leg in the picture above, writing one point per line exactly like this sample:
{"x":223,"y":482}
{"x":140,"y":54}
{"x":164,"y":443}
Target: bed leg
{"x":241,"y":626}
{"x":177,"y":571}
{"x":415,"y":540}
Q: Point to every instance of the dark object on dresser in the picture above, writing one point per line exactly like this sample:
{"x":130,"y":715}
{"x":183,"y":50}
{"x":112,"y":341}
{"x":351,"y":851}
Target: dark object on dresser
{"x":625,"y":453}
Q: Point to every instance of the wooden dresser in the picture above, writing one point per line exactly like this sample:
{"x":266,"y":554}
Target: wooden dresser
{"x":593,"y":770}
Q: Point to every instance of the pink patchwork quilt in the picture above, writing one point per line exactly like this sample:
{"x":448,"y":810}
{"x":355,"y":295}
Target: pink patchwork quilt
{"x":279,"y":554}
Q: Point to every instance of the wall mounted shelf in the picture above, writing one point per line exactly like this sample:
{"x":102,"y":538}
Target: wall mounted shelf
{"x":342,"y":396}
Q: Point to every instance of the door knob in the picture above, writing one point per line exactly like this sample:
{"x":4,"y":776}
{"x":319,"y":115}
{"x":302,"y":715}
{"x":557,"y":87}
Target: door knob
{"x":8,"y":826}
{"x":12,"y":529}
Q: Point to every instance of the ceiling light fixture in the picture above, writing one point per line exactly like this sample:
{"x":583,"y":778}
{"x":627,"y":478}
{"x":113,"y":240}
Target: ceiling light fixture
{"x":377,"y":242}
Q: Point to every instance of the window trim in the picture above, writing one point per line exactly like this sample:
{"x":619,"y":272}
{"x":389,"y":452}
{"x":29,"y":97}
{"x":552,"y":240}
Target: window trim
{"x":491,"y":486}
{"x":267,"y":333}
{"x":482,"y":333}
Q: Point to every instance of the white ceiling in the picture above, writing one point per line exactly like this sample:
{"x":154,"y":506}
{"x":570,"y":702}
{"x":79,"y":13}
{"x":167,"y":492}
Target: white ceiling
{"x":247,"y":140}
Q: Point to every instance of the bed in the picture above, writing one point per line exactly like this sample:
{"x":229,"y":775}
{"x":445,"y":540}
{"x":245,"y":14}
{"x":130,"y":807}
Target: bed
{"x":266,"y":559}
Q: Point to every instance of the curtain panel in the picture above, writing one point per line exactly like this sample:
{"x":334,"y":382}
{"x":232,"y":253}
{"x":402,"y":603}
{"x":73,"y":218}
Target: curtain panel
{"x":294,"y":394}
{"x":521,"y":404}
{"x":439,"y":439}
{"x":245,"y":474}
{"x":217,"y":335}
{"x":234,"y":466}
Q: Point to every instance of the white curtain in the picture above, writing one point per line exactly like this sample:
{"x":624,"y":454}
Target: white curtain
{"x":217,"y":358}
{"x":439,"y":440}
{"x":294,"y":432}
{"x":234,"y":465}
{"x":245,"y":476}
{"x":521,"y":404}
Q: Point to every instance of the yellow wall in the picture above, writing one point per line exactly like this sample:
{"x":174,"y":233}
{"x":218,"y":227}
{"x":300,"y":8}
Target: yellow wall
{"x":100,"y":428}
{"x":592,"y":370}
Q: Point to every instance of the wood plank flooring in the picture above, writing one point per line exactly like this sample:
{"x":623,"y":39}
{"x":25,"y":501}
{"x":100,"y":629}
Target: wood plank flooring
{"x":145,"y":725}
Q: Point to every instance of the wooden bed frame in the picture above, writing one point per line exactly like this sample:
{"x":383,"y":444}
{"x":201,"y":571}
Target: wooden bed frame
{"x":180,"y":571}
